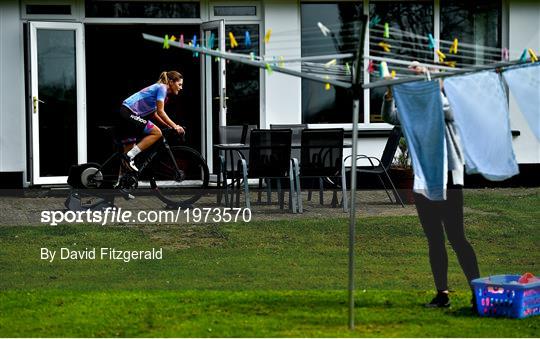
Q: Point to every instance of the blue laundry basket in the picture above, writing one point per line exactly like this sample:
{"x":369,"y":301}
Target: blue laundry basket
{"x":501,"y":295}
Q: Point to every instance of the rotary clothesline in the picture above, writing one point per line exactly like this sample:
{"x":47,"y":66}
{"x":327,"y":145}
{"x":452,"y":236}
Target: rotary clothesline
{"x":329,"y":78}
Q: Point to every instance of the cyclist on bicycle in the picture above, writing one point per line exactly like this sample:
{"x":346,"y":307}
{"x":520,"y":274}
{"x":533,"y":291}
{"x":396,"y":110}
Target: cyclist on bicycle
{"x":148,"y":103}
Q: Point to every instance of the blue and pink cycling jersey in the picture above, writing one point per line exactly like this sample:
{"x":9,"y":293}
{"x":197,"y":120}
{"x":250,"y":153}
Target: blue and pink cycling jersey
{"x":145,"y":101}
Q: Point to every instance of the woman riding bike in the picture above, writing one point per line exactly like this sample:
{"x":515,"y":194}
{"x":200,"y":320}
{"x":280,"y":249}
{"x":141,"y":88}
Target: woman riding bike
{"x":147,"y":103}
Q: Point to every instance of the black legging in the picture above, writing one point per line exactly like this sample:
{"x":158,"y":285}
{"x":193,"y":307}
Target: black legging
{"x":437,"y":217}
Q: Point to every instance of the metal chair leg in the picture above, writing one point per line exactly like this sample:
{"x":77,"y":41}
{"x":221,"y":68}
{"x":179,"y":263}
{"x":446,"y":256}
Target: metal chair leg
{"x":296,"y":170}
{"x":246,"y":186}
{"x":280,"y":195}
{"x":384,"y":186}
{"x":268,"y":191}
{"x":394,"y":188}
{"x":321,"y":185}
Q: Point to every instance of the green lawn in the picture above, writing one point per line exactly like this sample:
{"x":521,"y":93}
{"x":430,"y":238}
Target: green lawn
{"x":281,"y":278}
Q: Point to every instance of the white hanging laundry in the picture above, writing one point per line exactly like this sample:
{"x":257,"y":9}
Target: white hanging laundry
{"x":524,"y":83}
{"x":481,"y":115}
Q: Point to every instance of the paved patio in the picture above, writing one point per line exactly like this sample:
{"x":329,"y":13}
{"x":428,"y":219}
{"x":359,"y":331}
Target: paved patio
{"x":26,"y":208}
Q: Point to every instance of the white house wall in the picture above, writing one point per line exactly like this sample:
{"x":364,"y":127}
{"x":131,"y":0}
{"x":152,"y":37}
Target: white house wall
{"x":524,"y":32}
{"x":12,"y":115}
{"x":283,"y":96}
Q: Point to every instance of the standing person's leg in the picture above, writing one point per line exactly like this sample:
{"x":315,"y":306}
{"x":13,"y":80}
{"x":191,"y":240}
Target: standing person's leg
{"x":455,"y":231}
{"x":430,"y":218}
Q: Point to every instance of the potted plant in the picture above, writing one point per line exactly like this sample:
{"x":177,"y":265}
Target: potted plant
{"x":402,"y":173}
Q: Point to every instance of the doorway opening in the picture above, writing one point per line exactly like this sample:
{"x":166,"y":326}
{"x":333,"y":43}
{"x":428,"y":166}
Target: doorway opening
{"x":119,"y":62}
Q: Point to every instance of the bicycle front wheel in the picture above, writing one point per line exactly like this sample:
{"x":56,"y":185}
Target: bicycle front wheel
{"x":180,"y":177}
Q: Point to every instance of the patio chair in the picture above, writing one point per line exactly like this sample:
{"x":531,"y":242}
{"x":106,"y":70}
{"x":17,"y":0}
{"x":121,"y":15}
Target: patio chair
{"x":270,"y":159}
{"x":295,"y":151}
{"x":231,"y":135}
{"x":381,"y":166}
{"x":322,"y":158}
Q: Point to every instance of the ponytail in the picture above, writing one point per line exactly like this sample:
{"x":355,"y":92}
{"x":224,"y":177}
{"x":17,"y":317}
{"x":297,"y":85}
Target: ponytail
{"x":164,"y":77}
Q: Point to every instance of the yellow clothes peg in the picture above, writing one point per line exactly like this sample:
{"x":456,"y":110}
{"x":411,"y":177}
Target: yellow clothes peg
{"x":385,"y":46}
{"x":347,"y":68}
{"x":450,"y":63}
{"x":166,"y":42}
{"x":454,"y":47}
{"x":534,"y":58}
{"x":330,"y":63}
{"x":327,"y":85}
{"x":267,"y":36}
{"x":234,"y":43}
{"x":393,"y":74}
{"x":172,"y":38}
{"x":441,"y":55}
{"x":281,"y":61}
{"x":269,"y":69}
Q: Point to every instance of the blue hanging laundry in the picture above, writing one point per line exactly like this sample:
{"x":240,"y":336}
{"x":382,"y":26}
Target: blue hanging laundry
{"x":248,"y":40}
{"x":524,"y":84}
{"x":481,"y":115}
{"x":420,"y":112}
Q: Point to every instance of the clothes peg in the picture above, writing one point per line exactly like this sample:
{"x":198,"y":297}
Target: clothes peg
{"x":383,"y":70}
{"x":386,"y":30}
{"x":211,"y":41}
{"x":172,"y":38}
{"x":248,"y":39}
{"x":182,"y":40}
{"x":371,"y":67}
{"x":281,"y":61}
{"x":324,"y":30}
{"x":454,"y":47}
{"x":232,"y":40}
{"x":194,"y":41}
{"x":330,"y":63}
{"x":374,"y":21}
{"x":216,"y":59}
{"x":327,"y":86}
{"x":269,"y":69}
{"x":348,"y":68}
{"x":505,"y":54}
{"x":166,"y":42}
{"x":450,"y":63}
{"x":252,"y":56}
{"x":393,"y":74}
{"x":523,"y":57}
{"x":385,"y":46}
{"x":534,"y":58}
{"x":441,"y":55}
{"x":431,"y":41}
{"x":267,"y":36}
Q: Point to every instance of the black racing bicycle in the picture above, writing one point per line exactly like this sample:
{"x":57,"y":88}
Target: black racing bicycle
{"x":177,"y":174}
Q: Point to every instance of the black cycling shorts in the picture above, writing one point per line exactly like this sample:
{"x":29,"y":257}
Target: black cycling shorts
{"x":132,"y":126}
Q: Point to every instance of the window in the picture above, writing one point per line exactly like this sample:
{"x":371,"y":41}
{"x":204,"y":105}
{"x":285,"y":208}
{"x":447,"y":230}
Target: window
{"x":243,"y":81}
{"x":318,"y":104}
{"x":477,"y":23}
{"x":48,"y":9}
{"x":142,"y":9}
{"x":235,"y":10}
{"x":403,"y":17}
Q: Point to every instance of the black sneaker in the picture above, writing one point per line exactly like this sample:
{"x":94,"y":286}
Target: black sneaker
{"x":440,"y":300}
{"x":129,"y":163}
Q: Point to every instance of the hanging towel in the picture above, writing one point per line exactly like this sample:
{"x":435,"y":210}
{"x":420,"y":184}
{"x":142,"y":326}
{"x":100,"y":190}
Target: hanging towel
{"x":420,"y":111}
{"x":524,"y":83}
{"x":481,"y":115}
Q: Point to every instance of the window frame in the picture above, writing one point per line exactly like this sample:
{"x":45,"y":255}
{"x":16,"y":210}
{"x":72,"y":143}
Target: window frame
{"x":367,"y":125}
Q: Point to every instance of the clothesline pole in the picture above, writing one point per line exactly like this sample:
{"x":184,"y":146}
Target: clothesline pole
{"x":392,"y":82}
{"x":357,"y":96}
